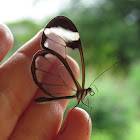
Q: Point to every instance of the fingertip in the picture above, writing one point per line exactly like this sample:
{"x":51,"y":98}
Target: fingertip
{"x":78,"y":127}
{"x":6,"y":41}
{"x":32,"y":46}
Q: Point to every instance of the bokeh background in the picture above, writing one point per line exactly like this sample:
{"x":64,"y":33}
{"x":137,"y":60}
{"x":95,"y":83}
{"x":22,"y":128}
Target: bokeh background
{"x":110,"y":32}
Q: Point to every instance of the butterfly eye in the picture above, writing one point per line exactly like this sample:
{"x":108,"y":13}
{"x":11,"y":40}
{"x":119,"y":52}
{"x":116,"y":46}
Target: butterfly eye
{"x":92,"y":93}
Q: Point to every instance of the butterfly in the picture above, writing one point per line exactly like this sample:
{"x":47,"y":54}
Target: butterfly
{"x":60,"y":33}
{"x":50,"y":64}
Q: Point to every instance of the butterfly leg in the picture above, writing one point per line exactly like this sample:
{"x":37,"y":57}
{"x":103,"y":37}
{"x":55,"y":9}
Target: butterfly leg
{"x":68,"y":120}
{"x":89,"y":107}
{"x":89,"y":111}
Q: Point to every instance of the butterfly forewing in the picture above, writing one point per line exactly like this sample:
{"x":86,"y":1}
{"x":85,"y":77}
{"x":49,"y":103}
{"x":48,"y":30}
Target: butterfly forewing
{"x":65,"y":29}
{"x":62,"y":27}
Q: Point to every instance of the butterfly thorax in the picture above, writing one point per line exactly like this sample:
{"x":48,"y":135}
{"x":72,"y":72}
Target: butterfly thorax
{"x":81,"y":94}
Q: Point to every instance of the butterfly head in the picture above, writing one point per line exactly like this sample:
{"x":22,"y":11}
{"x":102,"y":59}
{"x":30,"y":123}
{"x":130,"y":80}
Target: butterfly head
{"x":90,"y":91}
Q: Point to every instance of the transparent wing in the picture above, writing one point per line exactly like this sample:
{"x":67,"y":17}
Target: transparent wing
{"x":51,"y":72}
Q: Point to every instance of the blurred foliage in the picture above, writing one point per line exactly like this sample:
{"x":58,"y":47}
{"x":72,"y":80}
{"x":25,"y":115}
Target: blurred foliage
{"x":109,"y":29}
{"x":115,"y":107}
{"x":110,"y":32}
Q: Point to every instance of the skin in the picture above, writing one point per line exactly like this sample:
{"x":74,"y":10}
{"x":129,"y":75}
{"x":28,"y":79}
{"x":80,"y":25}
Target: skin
{"x":20,"y":117}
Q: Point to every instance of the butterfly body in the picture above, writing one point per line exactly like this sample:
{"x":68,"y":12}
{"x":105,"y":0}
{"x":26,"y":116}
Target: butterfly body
{"x":81,"y":94}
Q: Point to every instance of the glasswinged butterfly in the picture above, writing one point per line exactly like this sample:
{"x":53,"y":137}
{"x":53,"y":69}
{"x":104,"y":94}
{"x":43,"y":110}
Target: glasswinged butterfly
{"x":59,"y":32}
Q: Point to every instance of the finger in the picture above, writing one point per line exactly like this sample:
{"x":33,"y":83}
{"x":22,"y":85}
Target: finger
{"x":77,"y":126}
{"x":6,"y":41}
{"x":42,"y":121}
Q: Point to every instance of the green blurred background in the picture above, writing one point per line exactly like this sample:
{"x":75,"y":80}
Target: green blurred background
{"x":110,"y":32}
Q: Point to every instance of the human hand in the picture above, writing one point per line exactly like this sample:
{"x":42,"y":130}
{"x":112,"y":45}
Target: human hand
{"x":20,"y":117}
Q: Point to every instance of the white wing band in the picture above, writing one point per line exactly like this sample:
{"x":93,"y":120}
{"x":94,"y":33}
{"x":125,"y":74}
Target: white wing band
{"x":66,"y":35}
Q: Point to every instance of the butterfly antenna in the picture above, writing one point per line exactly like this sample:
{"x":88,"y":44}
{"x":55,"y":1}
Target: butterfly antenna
{"x":105,"y":71}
